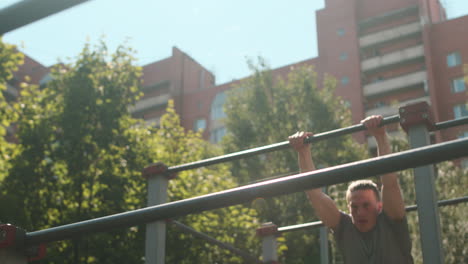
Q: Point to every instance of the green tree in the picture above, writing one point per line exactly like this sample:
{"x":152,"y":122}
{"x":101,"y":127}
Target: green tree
{"x":451,"y":182}
{"x":81,"y":155}
{"x":264,"y":110}
{"x":234,"y":225}
{"x":10,"y":59}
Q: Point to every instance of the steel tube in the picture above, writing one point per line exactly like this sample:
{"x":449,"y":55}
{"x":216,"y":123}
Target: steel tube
{"x":247,"y":257}
{"x":28,"y":11}
{"x":451,"y":123}
{"x":295,"y":183}
{"x":276,"y":146}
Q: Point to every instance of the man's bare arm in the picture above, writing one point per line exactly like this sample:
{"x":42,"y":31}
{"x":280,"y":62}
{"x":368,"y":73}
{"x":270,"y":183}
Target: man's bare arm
{"x":392,"y":199}
{"x":323,"y":205}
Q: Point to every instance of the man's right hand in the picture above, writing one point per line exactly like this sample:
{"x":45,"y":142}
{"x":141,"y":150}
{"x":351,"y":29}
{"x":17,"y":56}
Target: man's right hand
{"x":297,"y":141}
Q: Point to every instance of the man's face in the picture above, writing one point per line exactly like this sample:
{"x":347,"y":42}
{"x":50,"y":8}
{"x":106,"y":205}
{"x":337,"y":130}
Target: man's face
{"x":364,"y":208}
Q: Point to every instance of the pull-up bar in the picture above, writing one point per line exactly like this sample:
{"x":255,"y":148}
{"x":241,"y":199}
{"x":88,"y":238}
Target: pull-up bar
{"x":276,"y":146}
{"x":295,"y":183}
{"x":314,"y":138}
{"x":28,"y":11}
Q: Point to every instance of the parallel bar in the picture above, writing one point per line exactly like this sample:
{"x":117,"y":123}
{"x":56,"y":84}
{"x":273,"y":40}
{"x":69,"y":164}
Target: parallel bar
{"x":247,"y":257}
{"x":409,"y":208}
{"x":276,"y":146}
{"x":295,"y":183}
{"x":451,"y":123}
{"x":441,"y":203}
{"x":28,"y":11}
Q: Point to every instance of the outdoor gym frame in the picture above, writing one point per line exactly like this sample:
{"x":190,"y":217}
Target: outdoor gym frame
{"x":412,"y":117}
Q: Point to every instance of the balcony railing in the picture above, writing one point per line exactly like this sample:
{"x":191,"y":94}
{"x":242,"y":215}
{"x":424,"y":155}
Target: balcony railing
{"x":389,"y":34}
{"x":395,"y":84}
{"x":393,"y":58}
{"x":390,"y":110}
{"x":149,"y":103}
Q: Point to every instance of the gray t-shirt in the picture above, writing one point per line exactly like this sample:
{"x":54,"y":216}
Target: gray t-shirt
{"x":387,"y":243}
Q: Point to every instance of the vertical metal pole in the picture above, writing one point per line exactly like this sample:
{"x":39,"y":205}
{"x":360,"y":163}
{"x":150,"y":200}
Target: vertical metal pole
{"x":268,"y":233}
{"x":426,"y":198}
{"x":11,"y":256}
{"x":416,"y":119}
{"x":324,"y":241}
{"x":155,"y":243}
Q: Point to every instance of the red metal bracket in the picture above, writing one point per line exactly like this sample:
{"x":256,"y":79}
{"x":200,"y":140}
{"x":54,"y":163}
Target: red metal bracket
{"x":157,"y":168}
{"x":267,"y":229}
{"x":7,"y":235}
{"x":416,"y":114}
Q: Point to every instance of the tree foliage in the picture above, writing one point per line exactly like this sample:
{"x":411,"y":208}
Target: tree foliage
{"x":10,"y":59}
{"x":80,"y":156}
{"x":450,"y":183}
{"x":265,"y":110}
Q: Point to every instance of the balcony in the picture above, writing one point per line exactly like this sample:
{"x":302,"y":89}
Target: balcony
{"x":148,"y":103}
{"x":389,"y":34}
{"x":393,"y":109}
{"x":395,"y":84}
{"x":153,"y":122}
{"x":393,"y":58}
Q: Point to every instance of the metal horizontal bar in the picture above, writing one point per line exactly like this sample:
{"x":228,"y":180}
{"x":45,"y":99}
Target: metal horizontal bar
{"x":451,"y":123}
{"x":409,"y":208}
{"x":28,"y":11}
{"x":300,"y":227}
{"x":247,"y":257}
{"x":276,"y":146}
{"x":441,"y":203}
{"x":295,"y":183}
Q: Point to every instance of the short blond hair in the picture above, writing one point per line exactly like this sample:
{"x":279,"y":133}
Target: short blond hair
{"x":362,"y":185}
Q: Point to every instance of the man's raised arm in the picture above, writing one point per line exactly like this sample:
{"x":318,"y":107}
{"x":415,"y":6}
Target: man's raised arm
{"x":393,"y":204}
{"x":324,"y":206}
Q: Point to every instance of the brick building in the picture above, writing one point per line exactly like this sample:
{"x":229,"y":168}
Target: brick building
{"x":384,"y":54}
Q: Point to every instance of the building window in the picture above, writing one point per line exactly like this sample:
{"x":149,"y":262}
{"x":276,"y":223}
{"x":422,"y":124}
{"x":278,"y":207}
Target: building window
{"x":460,"y":111}
{"x":453,"y":59}
{"x":379,"y":104}
{"x":464,"y":164}
{"x":217,"y":111}
{"x":463,"y":134}
{"x":347,"y":103}
{"x":343,"y":56}
{"x":344,"y":80}
{"x":341,"y":32}
{"x":217,"y":134}
{"x":458,"y":85}
{"x":200,"y":124}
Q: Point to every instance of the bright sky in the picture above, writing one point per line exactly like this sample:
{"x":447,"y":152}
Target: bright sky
{"x":219,"y":34}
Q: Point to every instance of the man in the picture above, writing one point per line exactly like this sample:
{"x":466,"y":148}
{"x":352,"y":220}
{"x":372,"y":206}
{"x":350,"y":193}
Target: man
{"x":376,"y":231}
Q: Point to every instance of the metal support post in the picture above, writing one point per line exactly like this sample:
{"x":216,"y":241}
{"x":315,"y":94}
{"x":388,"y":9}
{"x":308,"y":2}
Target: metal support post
{"x":268,"y":232}
{"x":324,"y":241}
{"x":417,"y":120}
{"x":155,"y":244}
